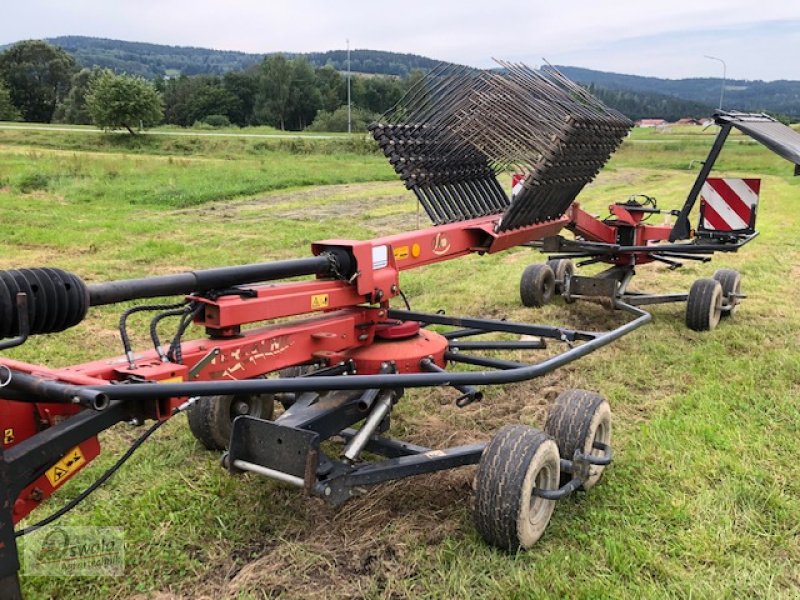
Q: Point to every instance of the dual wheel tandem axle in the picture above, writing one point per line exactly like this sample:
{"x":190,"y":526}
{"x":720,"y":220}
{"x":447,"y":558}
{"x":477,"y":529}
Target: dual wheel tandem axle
{"x":709,"y":299}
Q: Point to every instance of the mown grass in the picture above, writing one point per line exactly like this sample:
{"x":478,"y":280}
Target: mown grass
{"x":188,"y":143}
{"x":233,"y":129}
{"x":702,"y":500}
{"x":115,"y":179}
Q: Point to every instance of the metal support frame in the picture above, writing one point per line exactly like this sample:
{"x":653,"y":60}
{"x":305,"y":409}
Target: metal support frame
{"x":682,"y":227}
{"x":9,"y":559}
{"x":289,"y":449}
{"x":612,"y":285}
{"x":23,"y":463}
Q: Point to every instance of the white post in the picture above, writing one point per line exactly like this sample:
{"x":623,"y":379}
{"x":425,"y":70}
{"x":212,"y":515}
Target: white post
{"x":349,"y":114}
{"x":724,"y":77}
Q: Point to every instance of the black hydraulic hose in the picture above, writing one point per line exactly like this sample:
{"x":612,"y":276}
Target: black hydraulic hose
{"x":123,"y":324}
{"x":154,"y":327}
{"x":175,"y":353}
{"x":103,"y":478}
{"x":112,"y":292}
{"x":358,"y":382}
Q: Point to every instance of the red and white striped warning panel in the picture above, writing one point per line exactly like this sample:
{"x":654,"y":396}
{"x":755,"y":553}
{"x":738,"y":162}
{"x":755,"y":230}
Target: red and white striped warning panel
{"x":516,"y":183}
{"x":729,"y":204}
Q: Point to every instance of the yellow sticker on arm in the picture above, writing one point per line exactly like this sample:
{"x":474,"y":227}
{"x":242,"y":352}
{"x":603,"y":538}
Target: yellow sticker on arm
{"x":320,"y":301}
{"x":60,"y":472}
{"x":401,"y":253}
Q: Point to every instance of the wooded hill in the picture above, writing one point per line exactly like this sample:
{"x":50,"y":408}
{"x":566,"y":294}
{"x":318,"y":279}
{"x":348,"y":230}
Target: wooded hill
{"x":154,"y":61}
{"x":782,"y":96}
{"x":636,"y":96}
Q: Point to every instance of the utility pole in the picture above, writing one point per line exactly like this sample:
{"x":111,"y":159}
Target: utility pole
{"x":724,"y":76}
{"x":349,"y":113}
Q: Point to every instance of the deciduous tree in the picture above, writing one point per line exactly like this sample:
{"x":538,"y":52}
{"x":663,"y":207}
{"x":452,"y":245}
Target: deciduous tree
{"x":191,"y":99}
{"x":117,"y":101}
{"x":37,"y":76}
{"x":8,"y":112}
{"x":73,"y":109}
{"x":275,"y":87}
{"x":243,"y":85}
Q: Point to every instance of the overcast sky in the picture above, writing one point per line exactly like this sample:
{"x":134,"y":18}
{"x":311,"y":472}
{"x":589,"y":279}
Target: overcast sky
{"x":758,"y":39}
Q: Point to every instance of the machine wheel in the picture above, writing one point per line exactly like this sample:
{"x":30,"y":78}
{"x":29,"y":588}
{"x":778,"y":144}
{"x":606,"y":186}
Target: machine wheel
{"x":517,"y":460}
{"x":537,"y":285}
{"x":704,"y":305}
{"x":563,"y":269}
{"x":577,"y":419}
{"x":211,"y":417}
{"x":731,"y":282}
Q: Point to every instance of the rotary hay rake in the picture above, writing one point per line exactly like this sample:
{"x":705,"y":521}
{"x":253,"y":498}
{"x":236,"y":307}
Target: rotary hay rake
{"x":459,"y":128}
{"x":624,"y":240}
{"x":333,"y":353}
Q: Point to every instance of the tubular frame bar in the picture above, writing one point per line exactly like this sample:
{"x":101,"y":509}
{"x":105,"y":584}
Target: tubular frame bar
{"x":579,"y":249}
{"x":682,"y":227}
{"x":648,"y":299}
{"x":593,"y":341}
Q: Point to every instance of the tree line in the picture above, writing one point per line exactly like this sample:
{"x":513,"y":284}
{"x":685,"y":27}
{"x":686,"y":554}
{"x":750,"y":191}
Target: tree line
{"x":648,"y":106}
{"x":40,"y":82}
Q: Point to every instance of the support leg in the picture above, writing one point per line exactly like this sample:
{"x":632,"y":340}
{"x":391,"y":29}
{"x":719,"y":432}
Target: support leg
{"x":9,"y":560}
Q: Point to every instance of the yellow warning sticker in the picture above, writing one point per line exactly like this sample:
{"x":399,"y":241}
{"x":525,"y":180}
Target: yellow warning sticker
{"x":177,"y":379}
{"x":60,"y":472}
{"x":401,"y":253}
{"x":8,"y":436}
{"x":320,"y":301}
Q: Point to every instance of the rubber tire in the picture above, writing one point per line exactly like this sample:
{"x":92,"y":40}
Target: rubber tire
{"x":517,"y":459}
{"x":731,"y":282}
{"x":537,"y":285}
{"x":562,"y":269}
{"x":576,"y":420}
{"x":211,"y":421}
{"x":704,"y":305}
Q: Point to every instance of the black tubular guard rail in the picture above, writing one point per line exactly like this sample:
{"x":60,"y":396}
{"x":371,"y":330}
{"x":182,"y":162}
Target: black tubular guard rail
{"x":693,"y":247}
{"x":593,"y":341}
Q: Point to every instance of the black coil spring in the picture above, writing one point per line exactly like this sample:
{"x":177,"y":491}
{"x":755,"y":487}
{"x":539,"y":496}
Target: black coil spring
{"x":57,"y":300}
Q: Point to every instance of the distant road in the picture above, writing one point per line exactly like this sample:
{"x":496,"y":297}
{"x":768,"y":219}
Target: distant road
{"x":284,"y":136}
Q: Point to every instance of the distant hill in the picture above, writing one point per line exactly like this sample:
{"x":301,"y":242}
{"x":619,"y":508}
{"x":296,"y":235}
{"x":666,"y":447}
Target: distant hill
{"x":781,"y":96}
{"x":372,"y":61}
{"x":641,"y":105}
{"x":155,"y":60}
{"x":636,"y":96}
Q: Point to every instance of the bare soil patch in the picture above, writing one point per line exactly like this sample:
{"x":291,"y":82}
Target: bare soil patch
{"x":383,"y":208}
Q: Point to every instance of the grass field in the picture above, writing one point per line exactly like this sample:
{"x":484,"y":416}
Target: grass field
{"x":702,"y":500}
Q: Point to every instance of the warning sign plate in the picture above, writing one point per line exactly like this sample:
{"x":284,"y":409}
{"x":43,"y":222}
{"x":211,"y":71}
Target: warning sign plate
{"x":60,"y":472}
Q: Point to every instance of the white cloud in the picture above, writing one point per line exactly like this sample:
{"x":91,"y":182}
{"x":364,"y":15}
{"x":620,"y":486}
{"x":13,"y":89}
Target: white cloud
{"x":666,"y":38}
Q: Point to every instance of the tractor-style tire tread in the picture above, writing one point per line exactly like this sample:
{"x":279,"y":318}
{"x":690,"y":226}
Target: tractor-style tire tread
{"x":537,"y":285}
{"x":500,"y":481}
{"x":563,"y":268}
{"x":573,"y":422}
{"x":731,"y":282}
{"x":210,"y":417}
{"x":703,"y":306}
